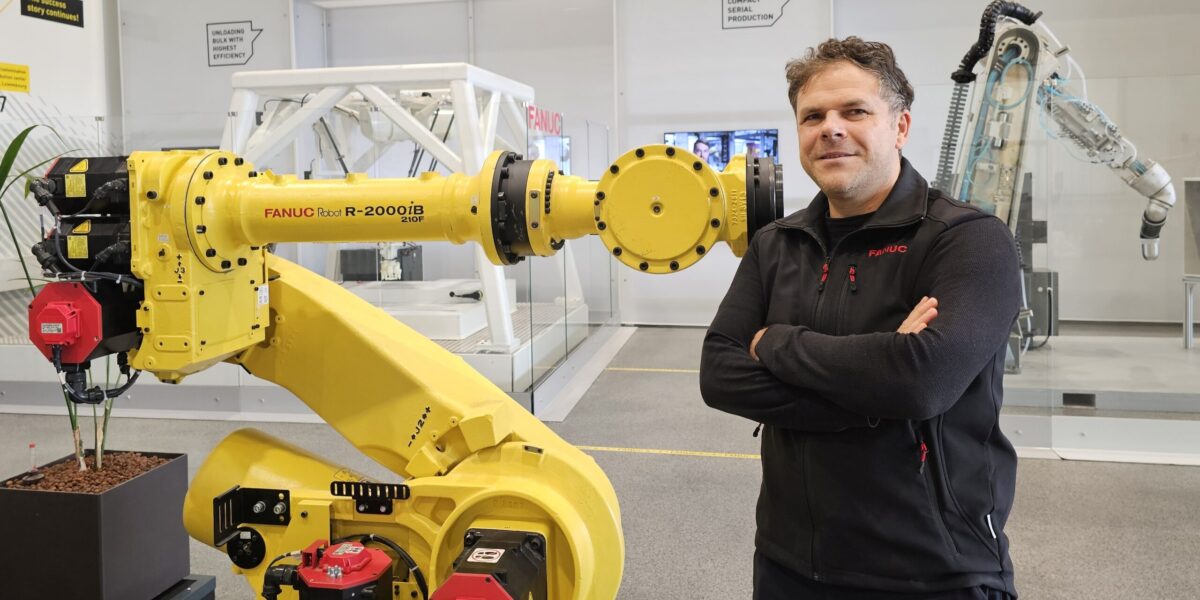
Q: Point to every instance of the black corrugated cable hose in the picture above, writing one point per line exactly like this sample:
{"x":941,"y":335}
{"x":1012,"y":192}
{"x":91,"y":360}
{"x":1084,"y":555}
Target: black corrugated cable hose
{"x":987,"y":30}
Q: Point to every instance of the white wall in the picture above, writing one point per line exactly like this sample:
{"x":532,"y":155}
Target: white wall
{"x":308,"y":27}
{"x":70,"y":67}
{"x":172,"y":97}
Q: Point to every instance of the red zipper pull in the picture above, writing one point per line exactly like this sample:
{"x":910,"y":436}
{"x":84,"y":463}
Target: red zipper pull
{"x":853,"y":279}
{"x":824,"y":275}
{"x":924,"y":455}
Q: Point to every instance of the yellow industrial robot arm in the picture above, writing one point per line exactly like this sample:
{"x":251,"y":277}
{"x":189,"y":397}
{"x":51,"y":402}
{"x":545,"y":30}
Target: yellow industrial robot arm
{"x":201,"y":222}
{"x":173,"y":253}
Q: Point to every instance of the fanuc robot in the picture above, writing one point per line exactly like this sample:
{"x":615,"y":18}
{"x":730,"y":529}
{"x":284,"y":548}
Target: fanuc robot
{"x":1027,"y":76}
{"x":162,"y":260}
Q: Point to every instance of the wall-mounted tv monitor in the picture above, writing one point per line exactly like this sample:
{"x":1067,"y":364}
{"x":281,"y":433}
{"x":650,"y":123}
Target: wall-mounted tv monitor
{"x":716,"y":147}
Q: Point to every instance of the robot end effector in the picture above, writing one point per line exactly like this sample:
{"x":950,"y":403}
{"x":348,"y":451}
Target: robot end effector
{"x":1153,"y":182}
{"x":1087,"y":127}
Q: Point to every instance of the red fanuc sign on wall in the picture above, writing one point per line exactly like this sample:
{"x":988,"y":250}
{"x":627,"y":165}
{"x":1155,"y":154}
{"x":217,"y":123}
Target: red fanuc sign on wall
{"x":544,"y":121}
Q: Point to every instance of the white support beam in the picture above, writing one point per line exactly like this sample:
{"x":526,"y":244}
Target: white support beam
{"x":491,"y":277}
{"x":514,"y":115}
{"x":370,"y":156}
{"x":491,"y":122}
{"x":406,"y":121}
{"x":238,"y":125}
{"x":278,"y":137}
{"x":385,"y":88}
{"x":466,"y":120}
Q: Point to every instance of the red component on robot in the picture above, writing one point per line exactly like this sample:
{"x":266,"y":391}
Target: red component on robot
{"x":471,"y":586}
{"x":66,"y":315}
{"x":344,"y":566}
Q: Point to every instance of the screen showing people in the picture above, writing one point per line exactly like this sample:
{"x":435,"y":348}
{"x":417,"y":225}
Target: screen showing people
{"x":716,"y":147}
{"x":554,"y":147}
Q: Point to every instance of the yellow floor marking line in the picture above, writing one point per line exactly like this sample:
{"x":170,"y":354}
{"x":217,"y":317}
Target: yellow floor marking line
{"x":670,"y":452}
{"x":640,"y":370}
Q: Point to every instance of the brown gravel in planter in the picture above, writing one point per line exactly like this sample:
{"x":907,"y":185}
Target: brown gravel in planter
{"x":65,"y":476}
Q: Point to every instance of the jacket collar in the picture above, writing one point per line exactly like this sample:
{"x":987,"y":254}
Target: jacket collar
{"x":905,"y":204}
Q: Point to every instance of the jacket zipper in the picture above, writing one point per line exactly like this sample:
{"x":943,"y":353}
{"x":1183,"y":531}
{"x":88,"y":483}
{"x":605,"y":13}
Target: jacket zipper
{"x":821,"y":286}
{"x":853,"y":279}
{"x":924,"y":453}
{"x":812,"y":523}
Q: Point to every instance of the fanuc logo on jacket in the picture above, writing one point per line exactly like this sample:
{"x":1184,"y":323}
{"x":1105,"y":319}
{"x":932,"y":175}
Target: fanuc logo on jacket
{"x":898,"y":249}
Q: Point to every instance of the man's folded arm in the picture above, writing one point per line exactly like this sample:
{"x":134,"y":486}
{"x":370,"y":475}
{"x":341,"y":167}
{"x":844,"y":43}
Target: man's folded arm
{"x":733,"y":382}
{"x":973,"y":272}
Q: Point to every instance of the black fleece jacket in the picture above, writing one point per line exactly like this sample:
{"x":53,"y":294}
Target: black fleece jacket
{"x":884,"y":466}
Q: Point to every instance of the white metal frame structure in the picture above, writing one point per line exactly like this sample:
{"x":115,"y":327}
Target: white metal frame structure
{"x":477,"y":129}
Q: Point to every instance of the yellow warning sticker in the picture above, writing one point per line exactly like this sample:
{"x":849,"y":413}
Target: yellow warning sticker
{"x":76,"y":186}
{"x":77,"y":246}
{"x":83,"y":228}
{"x":14,"y":78}
{"x":80,"y":167}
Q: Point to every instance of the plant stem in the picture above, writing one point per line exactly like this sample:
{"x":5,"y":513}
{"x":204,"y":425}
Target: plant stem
{"x":75,"y":431}
{"x":98,"y":435}
{"x":102,"y":430}
{"x":78,"y":447}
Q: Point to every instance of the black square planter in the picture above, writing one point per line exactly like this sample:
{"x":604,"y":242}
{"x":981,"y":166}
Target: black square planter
{"x":127,"y":543}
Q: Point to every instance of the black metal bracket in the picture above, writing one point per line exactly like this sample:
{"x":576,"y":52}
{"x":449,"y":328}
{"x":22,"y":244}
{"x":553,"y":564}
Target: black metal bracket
{"x":371,"y":498}
{"x":239,"y":505}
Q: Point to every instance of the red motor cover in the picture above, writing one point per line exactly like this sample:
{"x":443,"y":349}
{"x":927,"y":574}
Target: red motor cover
{"x":65,"y":314}
{"x":342,"y":566}
{"x":470,"y":586}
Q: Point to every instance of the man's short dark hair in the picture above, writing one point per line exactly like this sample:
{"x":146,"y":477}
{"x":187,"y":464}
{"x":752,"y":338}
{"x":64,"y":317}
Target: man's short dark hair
{"x":875,"y":57}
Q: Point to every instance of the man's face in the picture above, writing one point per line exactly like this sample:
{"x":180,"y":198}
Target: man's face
{"x":849,"y":138}
{"x":701,"y":150}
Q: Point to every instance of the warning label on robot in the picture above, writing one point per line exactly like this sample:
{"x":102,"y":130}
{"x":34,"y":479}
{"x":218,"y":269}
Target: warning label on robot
{"x":486,"y":555}
{"x":742,"y":14}
{"x":348,"y":549}
{"x":231,"y":43}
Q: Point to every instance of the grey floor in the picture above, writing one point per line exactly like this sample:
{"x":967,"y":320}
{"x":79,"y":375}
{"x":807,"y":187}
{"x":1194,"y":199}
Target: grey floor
{"x":1079,"y":530}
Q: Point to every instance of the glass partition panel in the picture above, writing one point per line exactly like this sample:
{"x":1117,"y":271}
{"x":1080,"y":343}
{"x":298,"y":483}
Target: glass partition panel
{"x":1125,"y":384}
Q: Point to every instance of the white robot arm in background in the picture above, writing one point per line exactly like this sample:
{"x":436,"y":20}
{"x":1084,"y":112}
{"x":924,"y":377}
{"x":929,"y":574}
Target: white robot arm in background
{"x":1027,"y":67}
{"x":1085,"y":125}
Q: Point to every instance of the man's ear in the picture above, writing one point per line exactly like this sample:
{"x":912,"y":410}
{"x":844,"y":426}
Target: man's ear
{"x":902,"y":127}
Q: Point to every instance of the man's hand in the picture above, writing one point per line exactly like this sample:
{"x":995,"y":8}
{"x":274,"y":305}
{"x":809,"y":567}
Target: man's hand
{"x":918,"y":319}
{"x":754,"y":342}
